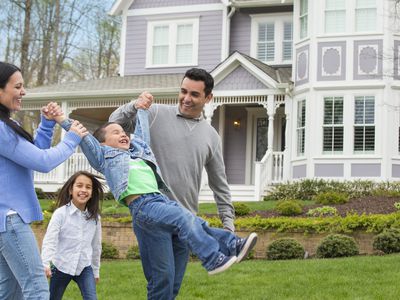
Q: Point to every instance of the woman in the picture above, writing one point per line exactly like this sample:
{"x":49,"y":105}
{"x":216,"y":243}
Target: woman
{"x":21,"y":271}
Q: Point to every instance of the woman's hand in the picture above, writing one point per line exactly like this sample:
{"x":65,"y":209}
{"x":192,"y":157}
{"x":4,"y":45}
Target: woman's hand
{"x":79,"y":129}
{"x":52,"y":111}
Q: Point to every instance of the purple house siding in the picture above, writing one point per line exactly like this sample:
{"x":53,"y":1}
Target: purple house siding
{"x":234,"y":147}
{"x":239,"y":79}
{"x":210,"y":37}
{"x":163,"y":3}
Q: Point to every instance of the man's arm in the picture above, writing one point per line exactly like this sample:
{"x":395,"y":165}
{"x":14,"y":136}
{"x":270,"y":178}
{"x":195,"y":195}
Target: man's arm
{"x":219,"y":185}
{"x":125,"y":115}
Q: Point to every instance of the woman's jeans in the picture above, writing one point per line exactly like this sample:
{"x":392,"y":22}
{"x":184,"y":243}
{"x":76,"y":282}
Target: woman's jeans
{"x":21,"y":269}
{"x":163,"y":228}
{"x":86,"y":283}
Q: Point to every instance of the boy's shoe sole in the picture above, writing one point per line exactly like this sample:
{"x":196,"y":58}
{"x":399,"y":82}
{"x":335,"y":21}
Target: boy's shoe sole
{"x":223,"y":267}
{"x":250,"y":243}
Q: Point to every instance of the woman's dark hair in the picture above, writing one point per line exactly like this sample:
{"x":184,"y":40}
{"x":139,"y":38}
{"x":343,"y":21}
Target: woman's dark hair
{"x":93,"y":205}
{"x":6,"y":71}
{"x":197,"y":74}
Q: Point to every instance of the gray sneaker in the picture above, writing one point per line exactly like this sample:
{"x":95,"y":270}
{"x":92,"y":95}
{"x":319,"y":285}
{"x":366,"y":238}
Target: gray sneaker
{"x":244,"y":246}
{"x":224,"y":262}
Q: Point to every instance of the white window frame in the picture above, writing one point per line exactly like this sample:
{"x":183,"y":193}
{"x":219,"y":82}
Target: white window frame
{"x":364,"y":125}
{"x":333,"y":125}
{"x":301,"y":130}
{"x":172,"y":25}
{"x":356,"y":9}
{"x":303,"y":18}
{"x":333,"y":10}
{"x":278,"y":20}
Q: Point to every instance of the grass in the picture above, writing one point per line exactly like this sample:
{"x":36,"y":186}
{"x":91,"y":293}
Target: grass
{"x":361,"y":277}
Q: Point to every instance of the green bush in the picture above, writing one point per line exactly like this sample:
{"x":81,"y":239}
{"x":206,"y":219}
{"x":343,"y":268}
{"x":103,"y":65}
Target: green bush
{"x":108,"y":196}
{"x":322,"y":211}
{"x":289,"y":207}
{"x":109,"y":251}
{"x":241,"y":209}
{"x":337,"y":245}
{"x":110,"y":210}
{"x":331,"y":197}
{"x":388,"y":241}
{"x":285,"y":248}
{"x":133,"y":252}
{"x":40,"y":194}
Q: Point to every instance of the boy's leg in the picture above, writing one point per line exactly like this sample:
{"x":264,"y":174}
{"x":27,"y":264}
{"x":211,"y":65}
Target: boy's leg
{"x":226,"y":239}
{"x":156,"y":254}
{"x":58,"y":283}
{"x":87,"y":284}
{"x":181,"y":257}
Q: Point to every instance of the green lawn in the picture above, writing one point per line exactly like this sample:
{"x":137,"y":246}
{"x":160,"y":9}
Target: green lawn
{"x":361,"y":277}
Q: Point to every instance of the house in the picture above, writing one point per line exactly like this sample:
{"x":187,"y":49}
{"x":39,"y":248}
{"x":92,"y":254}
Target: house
{"x":303,"y":88}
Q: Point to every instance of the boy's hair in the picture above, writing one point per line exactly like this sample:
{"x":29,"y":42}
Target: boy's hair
{"x":201,"y":75}
{"x":93,"y":205}
{"x":100,"y":133}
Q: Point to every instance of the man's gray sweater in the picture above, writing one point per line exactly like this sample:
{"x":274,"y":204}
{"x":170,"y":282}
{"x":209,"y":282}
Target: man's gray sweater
{"x":182,"y":148}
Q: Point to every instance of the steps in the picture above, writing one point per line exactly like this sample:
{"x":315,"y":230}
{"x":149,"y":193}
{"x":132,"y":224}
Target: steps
{"x":239,"y":192}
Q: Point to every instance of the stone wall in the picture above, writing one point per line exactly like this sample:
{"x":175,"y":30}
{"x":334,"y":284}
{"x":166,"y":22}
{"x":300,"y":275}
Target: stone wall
{"x":122,"y":237}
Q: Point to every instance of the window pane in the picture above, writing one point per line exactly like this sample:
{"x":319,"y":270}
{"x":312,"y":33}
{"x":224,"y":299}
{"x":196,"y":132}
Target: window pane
{"x":184,"y":54}
{"x":160,"y":55}
{"x":338,"y":111}
{"x":301,"y":116}
{"x":338,"y":139}
{"x":161,"y":35}
{"x":184,"y":47}
{"x":328,"y":137}
{"x":369,"y":138}
{"x":287,"y":41}
{"x":266,"y":43}
{"x":303,"y":27}
{"x":335,"y":21}
{"x":365,"y":19}
{"x":303,"y":7}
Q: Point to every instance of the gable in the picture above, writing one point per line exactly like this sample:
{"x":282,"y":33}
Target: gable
{"x":240,"y":79}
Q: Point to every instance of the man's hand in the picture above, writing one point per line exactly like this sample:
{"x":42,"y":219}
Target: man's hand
{"x":51,"y":111}
{"x":79,"y":129}
{"x":144,"y":101}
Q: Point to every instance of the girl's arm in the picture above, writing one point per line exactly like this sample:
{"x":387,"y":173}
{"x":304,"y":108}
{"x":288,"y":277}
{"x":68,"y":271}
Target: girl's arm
{"x":50,"y":240}
{"x":96,"y":246}
{"x":30,"y":156}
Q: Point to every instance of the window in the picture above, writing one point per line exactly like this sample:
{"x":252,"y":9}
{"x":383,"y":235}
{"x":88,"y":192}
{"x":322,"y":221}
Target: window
{"x":301,"y":126}
{"x":272,"y":38}
{"x":364,"y":124}
{"x":172,"y":43}
{"x":303,"y":19}
{"x":365,"y":15}
{"x":335,"y":16}
{"x":333,"y":125}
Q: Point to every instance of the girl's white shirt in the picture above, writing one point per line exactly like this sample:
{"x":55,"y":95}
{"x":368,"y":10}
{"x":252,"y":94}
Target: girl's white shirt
{"x":71,"y":242}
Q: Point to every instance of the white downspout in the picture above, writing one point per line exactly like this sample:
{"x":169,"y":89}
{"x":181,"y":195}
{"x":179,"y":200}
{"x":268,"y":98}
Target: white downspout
{"x":227,"y":32}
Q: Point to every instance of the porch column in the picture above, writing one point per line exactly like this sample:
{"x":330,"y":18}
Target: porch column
{"x":271,"y":116}
{"x":61,"y":169}
{"x":209,"y":109}
{"x":288,"y":145}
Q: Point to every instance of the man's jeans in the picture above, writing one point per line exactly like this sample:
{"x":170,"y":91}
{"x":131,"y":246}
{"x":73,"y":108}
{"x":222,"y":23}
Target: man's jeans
{"x":59,"y":282}
{"x":164,"y":230}
{"x":21,"y":270}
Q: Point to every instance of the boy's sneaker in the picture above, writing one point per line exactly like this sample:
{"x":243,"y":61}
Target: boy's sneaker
{"x":244,"y":246}
{"x":224,"y":262}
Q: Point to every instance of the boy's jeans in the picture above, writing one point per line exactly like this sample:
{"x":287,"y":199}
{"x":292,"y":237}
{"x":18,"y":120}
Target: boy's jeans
{"x":59,"y":282}
{"x":21,"y":270}
{"x":157,"y":221}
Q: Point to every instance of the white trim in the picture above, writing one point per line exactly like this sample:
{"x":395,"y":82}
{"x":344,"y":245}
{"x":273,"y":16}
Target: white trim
{"x":172,"y":43}
{"x":175,"y":9}
{"x":233,"y":93}
{"x":119,"y":6}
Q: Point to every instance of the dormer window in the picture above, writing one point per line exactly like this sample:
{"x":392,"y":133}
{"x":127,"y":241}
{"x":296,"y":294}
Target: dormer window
{"x":172,"y":43}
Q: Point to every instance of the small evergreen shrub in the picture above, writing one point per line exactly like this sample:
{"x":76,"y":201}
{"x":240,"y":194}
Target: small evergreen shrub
{"x":133,"y":252}
{"x":241,"y":209}
{"x":337,"y":245}
{"x":331,"y":197}
{"x":109,"y":251}
{"x":289,"y":207}
{"x":388,"y":241}
{"x":323,"y":211}
{"x":285,"y":248}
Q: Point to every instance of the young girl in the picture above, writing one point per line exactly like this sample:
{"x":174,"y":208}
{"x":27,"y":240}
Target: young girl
{"x":72,"y":245}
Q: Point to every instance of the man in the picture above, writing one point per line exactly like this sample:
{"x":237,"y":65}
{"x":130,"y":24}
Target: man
{"x":183,"y":143}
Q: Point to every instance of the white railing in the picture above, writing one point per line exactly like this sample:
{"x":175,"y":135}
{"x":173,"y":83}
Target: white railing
{"x":277,"y":167}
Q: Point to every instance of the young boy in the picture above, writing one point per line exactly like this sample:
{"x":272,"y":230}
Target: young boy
{"x":135,"y":180}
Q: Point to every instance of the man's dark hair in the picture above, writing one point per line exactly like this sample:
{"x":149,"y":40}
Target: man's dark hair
{"x":201,"y":75}
{"x":100,"y":133}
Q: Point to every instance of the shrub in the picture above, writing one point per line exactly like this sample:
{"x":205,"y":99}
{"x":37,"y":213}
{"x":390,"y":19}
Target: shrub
{"x":108,"y":196}
{"x":331,"y":198}
{"x":109,"y":250}
{"x":40,"y":194}
{"x":110,"y":210}
{"x":285,"y":248}
{"x":289,"y":207}
{"x":397,"y":205}
{"x":133,"y":252}
{"x":52,"y":206}
{"x":241,"y":209}
{"x":322,"y":211}
{"x":337,"y":245}
{"x":388,"y":241}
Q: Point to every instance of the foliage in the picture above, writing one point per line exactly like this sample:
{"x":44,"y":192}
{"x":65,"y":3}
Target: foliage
{"x":40,"y":194}
{"x":388,"y":241}
{"x":337,"y":245}
{"x":108,"y":196}
{"x":289,"y":207}
{"x":133,"y":252}
{"x":331,"y":197}
{"x":241,"y":209}
{"x":397,"y":205}
{"x":322,"y":211}
{"x":306,"y":189}
{"x":285,"y":248}
{"x":110,"y":210}
{"x":109,"y":251}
